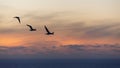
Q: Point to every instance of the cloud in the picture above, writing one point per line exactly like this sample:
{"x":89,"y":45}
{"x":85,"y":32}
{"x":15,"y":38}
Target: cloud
{"x":80,"y":29}
{"x":62,"y":22}
{"x":44,"y":16}
{"x":116,"y":50}
{"x":85,"y":31}
{"x":64,"y":26}
{"x":102,"y":30}
{"x":74,"y":47}
{"x":61,"y":51}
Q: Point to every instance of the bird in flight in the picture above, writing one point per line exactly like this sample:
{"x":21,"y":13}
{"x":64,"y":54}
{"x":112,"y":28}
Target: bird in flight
{"x":48,"y":32}
{"x":31,"y":28}
{"x":18,"y":18}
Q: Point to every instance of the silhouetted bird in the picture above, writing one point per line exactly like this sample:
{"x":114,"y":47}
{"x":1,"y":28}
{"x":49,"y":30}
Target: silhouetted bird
{"x":48,"y":32}
{"x":18,"y":18}
{"x":31,"y":28}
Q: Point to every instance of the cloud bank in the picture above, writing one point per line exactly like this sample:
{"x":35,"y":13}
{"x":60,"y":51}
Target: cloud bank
{"x":61,"y":51}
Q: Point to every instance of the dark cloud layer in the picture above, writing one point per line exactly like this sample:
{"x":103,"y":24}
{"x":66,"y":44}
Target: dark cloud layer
{"x":61,"y":51}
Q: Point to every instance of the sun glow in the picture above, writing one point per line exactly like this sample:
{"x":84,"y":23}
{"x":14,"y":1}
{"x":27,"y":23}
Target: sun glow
{"x":10,"y":41}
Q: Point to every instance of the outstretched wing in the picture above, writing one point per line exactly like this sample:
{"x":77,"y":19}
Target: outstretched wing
{"x":30,"y":26}
{"x":47,"y":29}
{"x":18,"y":18}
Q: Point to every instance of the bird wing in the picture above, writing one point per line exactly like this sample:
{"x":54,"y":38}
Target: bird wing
{"x":47,"y":29}
{"x":30,"y":26}
{"x":19,"y":20}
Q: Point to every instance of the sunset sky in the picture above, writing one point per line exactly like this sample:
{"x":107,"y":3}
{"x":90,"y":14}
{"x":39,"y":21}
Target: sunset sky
{"x":79,"y":26}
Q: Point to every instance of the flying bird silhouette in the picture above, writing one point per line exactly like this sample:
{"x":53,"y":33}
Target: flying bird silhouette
{"x":31,"y":28}
{"x":48,"y":32}
{"x":18,"y":18}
